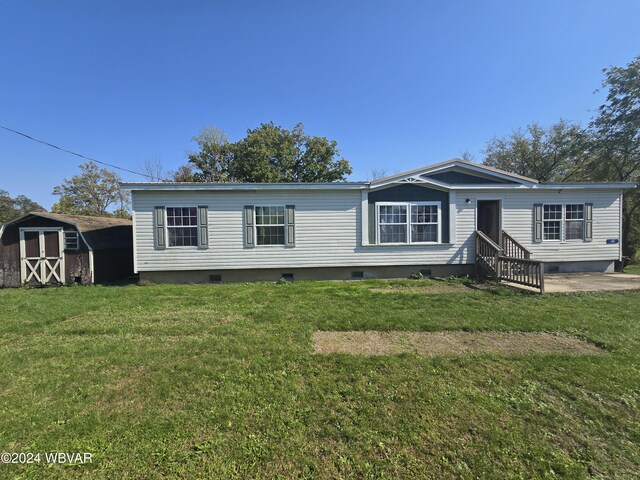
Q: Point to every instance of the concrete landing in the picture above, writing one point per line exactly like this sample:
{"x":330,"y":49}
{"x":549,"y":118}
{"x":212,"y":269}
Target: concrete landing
{"x":589,"y":282}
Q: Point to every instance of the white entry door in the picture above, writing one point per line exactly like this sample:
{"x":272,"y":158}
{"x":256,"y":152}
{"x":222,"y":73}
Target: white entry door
{"x":42,"y":256}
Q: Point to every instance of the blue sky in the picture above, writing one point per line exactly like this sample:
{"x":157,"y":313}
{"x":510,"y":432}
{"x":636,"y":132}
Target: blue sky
{"x":399,"y":84}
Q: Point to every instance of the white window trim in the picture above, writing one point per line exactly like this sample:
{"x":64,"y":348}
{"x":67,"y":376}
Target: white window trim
{"x":283,"y":225}
{"x":565,"y":220}
{"x":563,"y":223}
{"x":408,"y":223}
{"x":167,"y":227}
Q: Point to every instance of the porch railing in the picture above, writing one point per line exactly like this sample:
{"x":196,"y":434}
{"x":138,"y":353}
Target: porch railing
{"x":520,"y":269}
{"x":487,"y":254}
{"x":511,"y":247}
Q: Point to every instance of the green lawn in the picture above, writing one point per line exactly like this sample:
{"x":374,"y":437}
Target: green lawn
{"x":635,"y":269}
{"x":219,"y":381}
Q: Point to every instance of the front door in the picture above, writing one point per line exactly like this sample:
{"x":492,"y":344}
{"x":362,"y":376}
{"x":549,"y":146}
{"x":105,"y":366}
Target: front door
{"x":41,"y":256}
{"x":489,"y":219}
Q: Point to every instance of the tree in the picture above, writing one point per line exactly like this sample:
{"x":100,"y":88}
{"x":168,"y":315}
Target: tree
{"x":11,"y":208}
{"x":184,"y":173}
{"x":558,"y":153}
{"x":468,"y":156}
{"x":268,"y":153}
{"x":94,"y":192}
{"x":212,"y":161}
{"x":153,"y":170}
{"x":377,"y":173}
{"x":617,"y":144}
{"x":6,"y":207}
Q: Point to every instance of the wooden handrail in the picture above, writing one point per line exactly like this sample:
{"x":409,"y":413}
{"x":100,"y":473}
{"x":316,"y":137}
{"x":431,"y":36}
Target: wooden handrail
{"x":511,"y":262}
{"x":522,"y":271}
{"x":487,"y":254}
{"x":513,"y":248}
{"x":484,"y":237}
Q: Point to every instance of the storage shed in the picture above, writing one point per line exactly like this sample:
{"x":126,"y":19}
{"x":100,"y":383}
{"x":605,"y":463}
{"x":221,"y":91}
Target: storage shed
{"x":53,"y":249}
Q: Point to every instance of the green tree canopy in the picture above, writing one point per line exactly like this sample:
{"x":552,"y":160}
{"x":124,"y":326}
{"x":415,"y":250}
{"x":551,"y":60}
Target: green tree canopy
{"x":11,"y":208}
{"x":558,"y":153}
{"x":96,"y":192}
{"x":213,"y":160}
{"x":268,"y":153}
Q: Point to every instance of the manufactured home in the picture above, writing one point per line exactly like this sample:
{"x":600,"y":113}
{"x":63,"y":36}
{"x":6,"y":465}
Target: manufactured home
{"x":42,"y":248}
{"x":444,"y":219}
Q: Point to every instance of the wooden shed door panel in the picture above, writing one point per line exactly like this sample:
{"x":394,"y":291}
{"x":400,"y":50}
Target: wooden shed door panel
{"x":32,"y":244}
{"x":51,"y":244}
{"x":42,"y":257}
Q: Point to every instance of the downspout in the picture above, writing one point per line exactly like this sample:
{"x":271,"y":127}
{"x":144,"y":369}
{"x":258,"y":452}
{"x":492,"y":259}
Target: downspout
{"x":621,"y":219}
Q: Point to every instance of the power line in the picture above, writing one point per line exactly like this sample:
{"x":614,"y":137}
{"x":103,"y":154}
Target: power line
{"x":74,"y":153}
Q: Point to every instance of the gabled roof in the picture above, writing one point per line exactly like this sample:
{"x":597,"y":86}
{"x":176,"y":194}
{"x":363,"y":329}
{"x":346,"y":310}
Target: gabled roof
{"x":98,"y":232}
{"x":460,"y":164}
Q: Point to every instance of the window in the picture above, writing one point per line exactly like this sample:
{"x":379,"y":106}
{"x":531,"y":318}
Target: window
{"x":424,"y":223}
{"x":182,"y":226}
{"x":71,"y":241}
{"x":574,"y":222}
{"x":409,"y":222}
{"x":270,"y":225}
{"x":552,"y":222}
{"x":392,"y":220}
{"x":563,"y":222}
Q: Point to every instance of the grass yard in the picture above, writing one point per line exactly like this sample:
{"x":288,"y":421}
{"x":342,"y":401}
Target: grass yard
{"x":220,"y":381}
{"x":633,"y":269}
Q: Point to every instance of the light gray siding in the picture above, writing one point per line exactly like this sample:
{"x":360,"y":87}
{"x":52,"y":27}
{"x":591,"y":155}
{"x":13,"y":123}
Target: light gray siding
{"x":329,"y":234}
{"x":517,"y":220}
{"x":518,"y":217}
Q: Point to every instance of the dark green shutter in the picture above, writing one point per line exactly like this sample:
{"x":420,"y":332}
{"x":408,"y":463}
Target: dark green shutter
{"x":372,"y":224}
{"x":290,"y":222}
{"x":203,"y":227}
{"x":588,"y":222}
{"x":249,"y":240}
{"x":160,"y":242}
{"x":537,"y":223}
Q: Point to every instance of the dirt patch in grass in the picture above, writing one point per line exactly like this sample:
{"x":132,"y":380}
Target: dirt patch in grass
{"x":433,"y":288}
{"x":450,"y":343}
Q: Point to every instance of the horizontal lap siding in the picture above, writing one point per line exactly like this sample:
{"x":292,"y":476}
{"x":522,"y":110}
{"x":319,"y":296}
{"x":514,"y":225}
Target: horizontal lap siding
{"x":328,"y":231}
{"x":517,"y":221}
{"x":327,"y":227}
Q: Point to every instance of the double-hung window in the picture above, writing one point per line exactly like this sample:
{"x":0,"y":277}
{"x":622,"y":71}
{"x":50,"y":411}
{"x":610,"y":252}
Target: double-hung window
{"x":574,"y":222}
{"x":392,"y":223}
{"x":563,"y":222}
{"x":552,"y":222}
{"x":270,"y":225}
{"x":408,"y":222}
{"x":424,"y":223}
{"x":182,"y":226}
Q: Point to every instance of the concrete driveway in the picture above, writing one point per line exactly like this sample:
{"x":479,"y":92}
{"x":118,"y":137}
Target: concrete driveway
{"x":590,"y":282}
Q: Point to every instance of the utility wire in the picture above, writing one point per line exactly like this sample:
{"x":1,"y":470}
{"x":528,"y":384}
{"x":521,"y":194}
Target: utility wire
{"x":74,"y":153}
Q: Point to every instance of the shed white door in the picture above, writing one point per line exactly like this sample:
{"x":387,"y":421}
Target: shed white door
{"x":42,"y":256}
